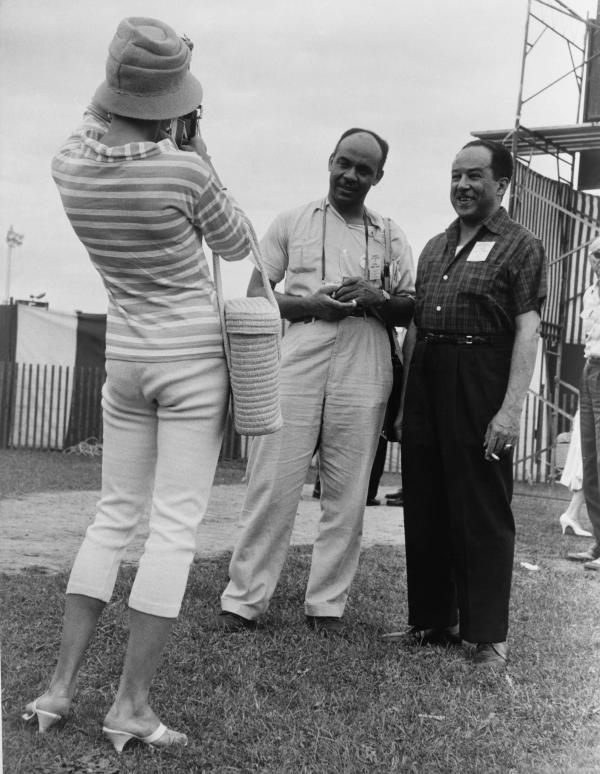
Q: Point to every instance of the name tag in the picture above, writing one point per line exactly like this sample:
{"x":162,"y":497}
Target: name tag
{"x":375,"y":267}
{"x":480,"y":251}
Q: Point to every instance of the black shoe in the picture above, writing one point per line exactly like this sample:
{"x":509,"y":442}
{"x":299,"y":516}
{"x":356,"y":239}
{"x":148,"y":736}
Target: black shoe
{"x":232,"y":622}
{"x":395,"y":498}
{"x":393,"y":495}
{"x":373,"y":501}
{"x":414,"y":636}
{"x":326,"y":625}
{"x":491,"y":654}
{"x":317,"y":493}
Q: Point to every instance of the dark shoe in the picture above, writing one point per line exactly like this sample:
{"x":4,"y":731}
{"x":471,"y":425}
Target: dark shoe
{"x":593,"y":565}
{"x":373,"y":501}
{"x":393,"y":495}
{"x":395,"y":498}
{"x":583,"y":556}
{"x":232,"y":622}
{"x":491,"y":654}
{"x":317,"y":493}
{"x":326,"y":625}
{"x":415,"y":636}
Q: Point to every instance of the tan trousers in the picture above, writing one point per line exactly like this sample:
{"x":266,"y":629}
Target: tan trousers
{"x":335,"y":382}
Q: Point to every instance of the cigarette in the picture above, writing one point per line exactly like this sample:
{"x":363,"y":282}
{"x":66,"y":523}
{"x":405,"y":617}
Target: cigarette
{"x":495,"y":456}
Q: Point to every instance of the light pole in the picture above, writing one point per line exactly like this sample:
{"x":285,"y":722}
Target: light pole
{"x":12,"y":240}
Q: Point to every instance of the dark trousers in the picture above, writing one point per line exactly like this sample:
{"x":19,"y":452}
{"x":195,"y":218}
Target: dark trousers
{"x":589,"y":412}
{"x":459,"y":526}
{"x":377,"y":469}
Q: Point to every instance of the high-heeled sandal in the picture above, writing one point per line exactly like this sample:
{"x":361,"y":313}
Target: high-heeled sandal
{"x":569,"y":525}
{"x":45,"y":718}
{"x":162,"y":737}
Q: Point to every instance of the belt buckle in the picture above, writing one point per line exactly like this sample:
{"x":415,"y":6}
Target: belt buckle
{"x":468,"y":339}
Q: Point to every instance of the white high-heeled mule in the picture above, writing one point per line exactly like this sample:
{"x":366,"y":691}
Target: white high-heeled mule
{"x":162,"y":737}
{"x":45,"y":718}
{"x":569,"y":524}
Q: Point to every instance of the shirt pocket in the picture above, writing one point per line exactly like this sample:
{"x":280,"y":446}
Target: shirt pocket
{"x":478,"y":279}
{"x":304,"y":255}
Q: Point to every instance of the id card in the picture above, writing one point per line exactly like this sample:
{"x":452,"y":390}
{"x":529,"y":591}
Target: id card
{"x":480,"y":252}
{"x":375,"y":267}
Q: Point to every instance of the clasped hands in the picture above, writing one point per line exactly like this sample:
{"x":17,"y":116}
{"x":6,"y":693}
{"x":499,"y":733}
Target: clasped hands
{"x":334,"y":302}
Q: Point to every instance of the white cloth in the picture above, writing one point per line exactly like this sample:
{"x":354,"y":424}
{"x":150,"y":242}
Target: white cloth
{"x":163,"y":428}
{"x":591,"y":321}
{"x":572,"y":474}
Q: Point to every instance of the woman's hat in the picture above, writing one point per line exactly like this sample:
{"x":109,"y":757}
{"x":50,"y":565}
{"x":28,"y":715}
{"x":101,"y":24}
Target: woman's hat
{"x":147,"y":72}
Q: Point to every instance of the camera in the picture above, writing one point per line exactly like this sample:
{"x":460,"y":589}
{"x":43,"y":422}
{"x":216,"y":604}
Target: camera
{"x":185,"y":127}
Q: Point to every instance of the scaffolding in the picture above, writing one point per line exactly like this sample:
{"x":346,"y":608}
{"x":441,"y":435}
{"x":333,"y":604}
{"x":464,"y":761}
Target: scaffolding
{"x":565,"y":217}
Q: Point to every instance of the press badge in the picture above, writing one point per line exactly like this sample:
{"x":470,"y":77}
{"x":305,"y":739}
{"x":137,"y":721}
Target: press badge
{"x":480,"y":252}
{"x":375,"y":267}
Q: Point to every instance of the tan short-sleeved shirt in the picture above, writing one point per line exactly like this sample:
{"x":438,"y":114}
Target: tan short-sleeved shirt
{"x":292,"y":249}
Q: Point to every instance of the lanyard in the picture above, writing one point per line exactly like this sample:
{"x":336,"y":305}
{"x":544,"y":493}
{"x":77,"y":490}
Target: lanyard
{"x":365,"y":223}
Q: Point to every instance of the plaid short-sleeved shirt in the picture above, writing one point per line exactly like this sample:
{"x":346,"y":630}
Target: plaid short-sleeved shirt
{"x":499,"y":274}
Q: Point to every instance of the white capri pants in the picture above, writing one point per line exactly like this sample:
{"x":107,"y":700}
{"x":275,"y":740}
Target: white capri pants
{"x":163,"y":429}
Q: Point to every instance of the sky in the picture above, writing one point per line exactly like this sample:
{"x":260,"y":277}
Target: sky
{"x":282,"y":80}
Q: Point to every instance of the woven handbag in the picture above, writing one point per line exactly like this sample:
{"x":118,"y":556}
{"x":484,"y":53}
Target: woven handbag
{"x":252,"y":342}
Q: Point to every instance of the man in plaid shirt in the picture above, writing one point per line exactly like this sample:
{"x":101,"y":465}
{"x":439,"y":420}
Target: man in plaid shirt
{"x":480,"y":287}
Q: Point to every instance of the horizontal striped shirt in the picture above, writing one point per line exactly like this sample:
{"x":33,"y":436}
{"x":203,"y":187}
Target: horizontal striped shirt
{"x":141,"y":211}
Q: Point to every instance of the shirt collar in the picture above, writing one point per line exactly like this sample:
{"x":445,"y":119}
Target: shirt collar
{"x":498,"y":222}
{"x":374,"y":218}
{"x":96,"y":149}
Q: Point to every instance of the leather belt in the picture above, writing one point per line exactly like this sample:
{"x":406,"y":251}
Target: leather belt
{"x":433,"y":337}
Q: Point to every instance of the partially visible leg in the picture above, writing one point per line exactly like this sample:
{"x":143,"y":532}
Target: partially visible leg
{"x":358,"y":386}
{"x":79,"y":623}
{"x":127,"y":464}
{"x":192,"y":403}
{"x":377,"y":468}
{"x":277,"y":471}
{"x":589,"y":408}
{"x":575,"y":505}
{"x":430,"y":580}
{"x":131,"y":711}
{"x":192,"y":408}
{"x":483,"y":537}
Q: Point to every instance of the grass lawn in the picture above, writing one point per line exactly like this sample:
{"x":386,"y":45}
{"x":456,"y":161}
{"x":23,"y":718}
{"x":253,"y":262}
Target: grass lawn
{"x":280,"y":700}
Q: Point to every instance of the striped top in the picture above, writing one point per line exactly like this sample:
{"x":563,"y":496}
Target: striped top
{"x":141,"y":211}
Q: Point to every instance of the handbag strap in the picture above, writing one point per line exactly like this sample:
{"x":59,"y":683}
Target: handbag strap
{"x":387,"y":259}
{"x":219,"y":284}
{"x":259,"y":265}
{"x":385,"y":282}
